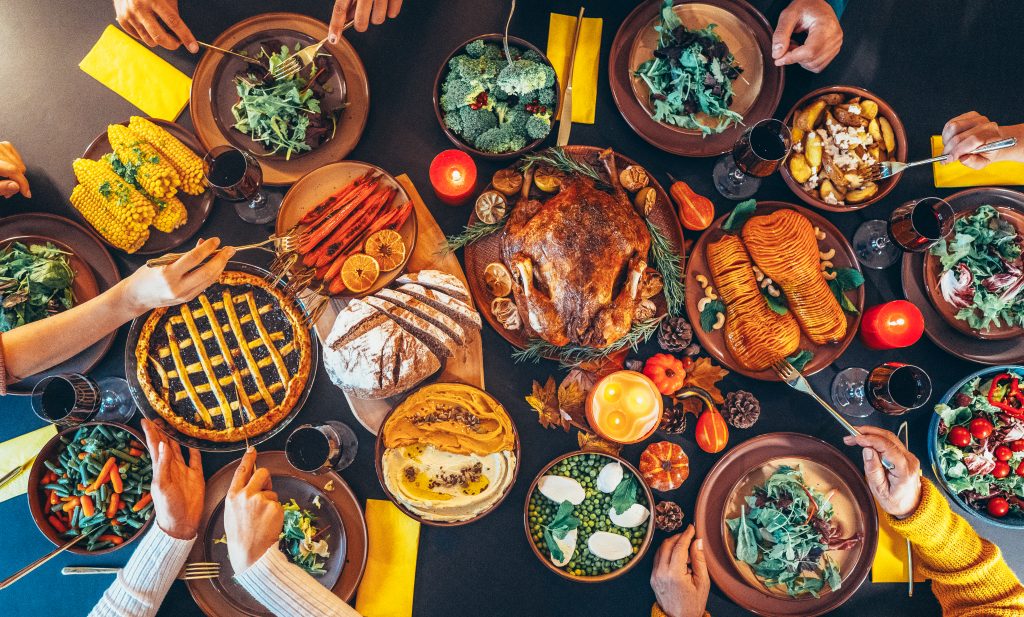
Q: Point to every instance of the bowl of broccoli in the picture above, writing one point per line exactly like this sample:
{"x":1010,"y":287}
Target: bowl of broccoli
{"x":491,"y":107}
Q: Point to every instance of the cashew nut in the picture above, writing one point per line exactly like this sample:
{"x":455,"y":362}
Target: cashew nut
{"x":713,"y":296}
{"x":819,"y":234}
{"x":719,"y":322}
{"x":709,"y":291}
{"x":829,"y":254}
{"x":702,"y":304}
{"x":702,"y":281}
{"x":758,"y":274}
{"x":773,"y":291}
{"x":827,"y":265}
{"x":765,"y":282}
{"x":829,"y":275}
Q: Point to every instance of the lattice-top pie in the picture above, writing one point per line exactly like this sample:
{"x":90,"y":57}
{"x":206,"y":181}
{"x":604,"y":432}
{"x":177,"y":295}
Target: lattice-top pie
{"x":230,"y":364}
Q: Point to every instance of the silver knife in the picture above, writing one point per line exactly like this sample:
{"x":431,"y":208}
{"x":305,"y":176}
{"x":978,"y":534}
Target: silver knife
{"x":13,"y":474}
{"x":903,"y":434}
{"x":565,"y":109}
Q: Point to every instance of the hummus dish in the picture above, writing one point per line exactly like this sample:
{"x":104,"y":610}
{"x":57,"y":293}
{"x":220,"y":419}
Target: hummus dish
{"x":449,"y":453}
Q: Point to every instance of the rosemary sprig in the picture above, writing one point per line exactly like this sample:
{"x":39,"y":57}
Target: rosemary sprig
{"x":558,"y":158}
{"x":570,"y":356}
{"x":667,"y":261}
{"x":471,"y":234}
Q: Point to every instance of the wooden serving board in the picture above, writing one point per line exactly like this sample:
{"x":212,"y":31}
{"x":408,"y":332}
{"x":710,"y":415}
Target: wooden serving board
{"x":467,"y":363}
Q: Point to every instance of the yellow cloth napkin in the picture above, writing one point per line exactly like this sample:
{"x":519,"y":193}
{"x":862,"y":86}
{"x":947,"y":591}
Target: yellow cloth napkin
{"x":957,"y":174}
{"x":588,"y":59}
{"x":386,"y":589}
{"x":890,"y":564}
{"x":15,"y":452}
{"x":146,"y":80}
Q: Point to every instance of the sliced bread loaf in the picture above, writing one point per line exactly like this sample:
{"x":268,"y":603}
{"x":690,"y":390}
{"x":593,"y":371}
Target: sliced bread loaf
{"x":352,"y":322}
{"x":441,"y":281}
{"x":450,"y":306}
{"x":424,"y":310}
{"x":381,"y":362}
{"x":439,"y":341}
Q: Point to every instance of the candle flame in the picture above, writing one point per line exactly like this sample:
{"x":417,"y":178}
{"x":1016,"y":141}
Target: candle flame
{"x":456,"y":175}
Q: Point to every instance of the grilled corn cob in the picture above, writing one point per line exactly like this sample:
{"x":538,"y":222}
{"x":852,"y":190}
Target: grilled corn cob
{"x":99,"y":213}
{"x":188,"y":165}
{"x":143,"y":162}
{"x":130,"y":206}
{"x":171,"y":214}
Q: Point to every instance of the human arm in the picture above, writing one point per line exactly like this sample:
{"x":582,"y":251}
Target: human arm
{"x":972,"y":130}
{"x":178,"y":490}
{"x":253,"y":520}
{"x":969,"y":576}
{"x":364,"y":12}
{"x":28,"y":349}
{"x":680,"y":578}
{"x":824,"y":35}
{"x":155,"y":22}
{"x":12,"y":172}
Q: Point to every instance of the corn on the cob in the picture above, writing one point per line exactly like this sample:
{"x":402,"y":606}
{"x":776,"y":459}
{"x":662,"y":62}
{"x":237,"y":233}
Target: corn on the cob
{"x":130,"y":206}
{"x":171,"y":214}
{"x":142,"y":161}
{"x":99,"y":213}
{"x":187,"y":163}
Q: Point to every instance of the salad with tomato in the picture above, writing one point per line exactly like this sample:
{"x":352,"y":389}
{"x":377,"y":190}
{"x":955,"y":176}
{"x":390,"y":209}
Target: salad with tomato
{"x":980,"y":443}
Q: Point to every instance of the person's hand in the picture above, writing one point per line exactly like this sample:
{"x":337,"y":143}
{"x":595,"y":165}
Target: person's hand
{"x":155,"y":22}
{"x":897,"y":491}
{"x":253,"y":516}
{"x":148,"y":288}
{"x":680,"y":577}
{"x":13,"y":169}
{"x":972,"y":130}
{"x":178,"y":489}
{"x":824,"y":35}
{"x":364,"y":12}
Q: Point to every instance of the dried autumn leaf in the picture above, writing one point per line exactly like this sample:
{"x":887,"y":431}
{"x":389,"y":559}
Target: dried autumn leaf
{"x":592,"y":443}
{"x":705,"y":375}
{"x":572,"y":395}
{"x":607,"y":365}
{"x":544,"y":401}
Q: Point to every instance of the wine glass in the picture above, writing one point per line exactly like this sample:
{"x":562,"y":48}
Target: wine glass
{"x":71,"y":398}
{"x":316,"y":448}
{"x":757,"y":154}
{"x":236,"y":175}
{"x":914,"y":226}
{"x":893,"y":388}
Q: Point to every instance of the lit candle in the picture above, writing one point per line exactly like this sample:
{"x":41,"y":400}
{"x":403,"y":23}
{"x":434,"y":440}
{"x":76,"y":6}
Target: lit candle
{"x":453,"y":176}
{"x":624,"y":407}
{"x":894,"y":324}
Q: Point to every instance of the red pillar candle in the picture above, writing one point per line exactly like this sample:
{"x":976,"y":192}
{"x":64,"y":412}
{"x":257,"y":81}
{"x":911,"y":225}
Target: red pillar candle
{"x":453,"y":176}
{"x":894,"y":324}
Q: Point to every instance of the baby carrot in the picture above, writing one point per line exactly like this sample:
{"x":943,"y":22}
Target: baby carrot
{"x":88,"y":509}
{"x":57,"y":523}
{"x":142,"y":503}
{"x":109,"y":537}
{"x":112,"y":507}
{"x":115,"y":480}
{"x":100,"y":479}
{"x":135,"y":452}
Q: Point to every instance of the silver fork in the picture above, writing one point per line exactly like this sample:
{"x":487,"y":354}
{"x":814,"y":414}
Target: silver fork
{"x":795,"y":379}
{"x":200,"y":570}
{"x":294,"y":63}
{"x":887,"y":169}
{"x":285,"y":243}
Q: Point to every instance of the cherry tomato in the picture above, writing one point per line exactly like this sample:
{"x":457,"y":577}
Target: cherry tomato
{"x":998,"y":507}
{"x":1017,"y":446}
{"x":959,"y":436}
{"x":1003,"y":453}
{"x":1020,"y":469}
{"x":980,"y":428}
{"x":1001,"y":470}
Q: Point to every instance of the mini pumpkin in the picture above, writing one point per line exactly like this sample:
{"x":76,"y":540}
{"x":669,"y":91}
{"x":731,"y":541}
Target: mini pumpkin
{"x":664,"y":466}
{"x":666,"y":371}
{"x":712,"y":431}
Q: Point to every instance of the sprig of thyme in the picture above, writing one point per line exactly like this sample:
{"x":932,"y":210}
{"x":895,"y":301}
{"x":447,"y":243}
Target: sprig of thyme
{"x":571,"y":356}
{"x":667,"y":262}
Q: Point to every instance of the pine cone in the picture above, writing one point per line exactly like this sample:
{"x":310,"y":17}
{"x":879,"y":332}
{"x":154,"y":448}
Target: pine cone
{"x":693,"y":350}
{"x":634,"y":364}
{"x":668,"y":516}
{"x":673,"y":419}
{"x":674,"y":333}
{"x":741,"y":409}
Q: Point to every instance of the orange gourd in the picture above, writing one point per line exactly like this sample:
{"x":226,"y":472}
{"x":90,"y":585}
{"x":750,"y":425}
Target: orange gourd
{"x":696,"y":212}
{"x":666,"y":371}
{"x":712,"y":431}
{"x":664,"y":466}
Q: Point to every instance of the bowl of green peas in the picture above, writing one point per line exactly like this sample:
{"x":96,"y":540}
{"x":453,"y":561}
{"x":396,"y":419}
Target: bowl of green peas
{"x":588,"y":516}
{"x":92,"y":480}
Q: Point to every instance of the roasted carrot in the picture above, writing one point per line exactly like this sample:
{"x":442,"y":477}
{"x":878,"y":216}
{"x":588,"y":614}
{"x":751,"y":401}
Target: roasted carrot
{"x":337,"y":286}
{"x":344,"y":235}
{"x":320,"y":230}
{"x":88,"y":509}
{"x":341,"y":194}
{"x":115,"y":480}
{"x":57,"y":523}
{"x":142,"y":503}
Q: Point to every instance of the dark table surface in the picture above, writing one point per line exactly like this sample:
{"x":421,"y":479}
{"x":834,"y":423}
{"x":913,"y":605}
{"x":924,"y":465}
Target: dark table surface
{"x":931,"y":61}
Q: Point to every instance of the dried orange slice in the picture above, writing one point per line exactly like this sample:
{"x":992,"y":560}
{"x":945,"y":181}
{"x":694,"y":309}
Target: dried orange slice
{"x":387,"y":248}
{"x":498,"y":279}
{"x":359,"y":272}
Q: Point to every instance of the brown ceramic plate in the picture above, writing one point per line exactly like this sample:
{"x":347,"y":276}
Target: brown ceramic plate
{"x":378,"y":456}
{"x":714,"y":342}
{"x":745,"y":463}
{"x":600,"y":578}
{"x":91,"y":260}
{"x":340,"y":511}
{"x":213,"y":93}
{"x":1011,"y":209}
{"x":937,"y":326}
{"x":486,"y":250}
{"x":749,"y":37}
{"x":884,"y":186}
{"x":84,"y":285}
{"x":318,"y":185}
{"x":442,"y":73}
{"x":49,"y":452}
{"x":197,"y":206}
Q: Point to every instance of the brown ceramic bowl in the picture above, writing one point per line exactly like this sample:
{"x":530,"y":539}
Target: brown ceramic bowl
{"x":378,"y":455}
{"x":885,"y":110}
{"x":600,"y":578}
{"x":35,"y":502}
{"x":443,"y":72}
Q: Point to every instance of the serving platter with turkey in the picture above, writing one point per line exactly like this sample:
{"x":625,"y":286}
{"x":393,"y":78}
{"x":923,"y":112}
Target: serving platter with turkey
{"x":570,"y":269}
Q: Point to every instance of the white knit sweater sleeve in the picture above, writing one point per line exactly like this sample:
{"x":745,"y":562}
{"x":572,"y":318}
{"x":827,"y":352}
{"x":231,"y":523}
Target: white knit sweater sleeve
{"x":288,"y":591}
{"x":142,"y":584}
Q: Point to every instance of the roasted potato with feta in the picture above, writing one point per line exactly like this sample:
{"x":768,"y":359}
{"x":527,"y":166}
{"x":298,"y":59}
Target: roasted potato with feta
{"x":799,"y":168}
{"x":864,"y":193}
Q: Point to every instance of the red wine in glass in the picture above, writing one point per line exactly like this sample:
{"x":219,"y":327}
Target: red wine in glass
{"x":314,"y":448}
{"x":71,"y":399}
{"x":756,"y":154}
{"x":895,"y":388}
{"x":236,"y":175}
{"x":918,"y":225}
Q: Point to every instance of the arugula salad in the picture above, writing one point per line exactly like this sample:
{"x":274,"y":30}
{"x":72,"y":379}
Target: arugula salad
{"x":785,"y":532}
{"x":982,"y":271}
{"x":284,"y":115}
{"x":300,"y":541}
{"x":692,"y":72}
{"x":35,"y":282}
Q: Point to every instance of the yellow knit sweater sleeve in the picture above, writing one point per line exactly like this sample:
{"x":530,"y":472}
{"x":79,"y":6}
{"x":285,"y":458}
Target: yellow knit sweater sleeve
{"x":969,"y":576}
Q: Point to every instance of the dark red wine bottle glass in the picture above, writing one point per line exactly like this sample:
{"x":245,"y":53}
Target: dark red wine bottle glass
{"x":236,"y":175}
{"x":893,"y":388}
{"x":915,"y":226}
{"x":318,"y":448}
{"x":757,"y":154}
{"x":70,"y":399}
